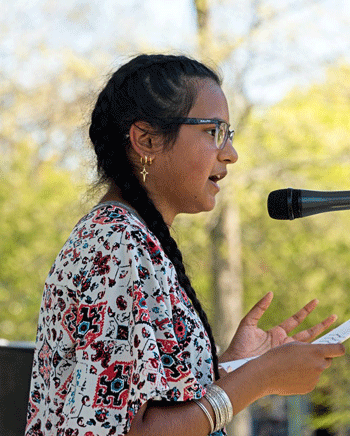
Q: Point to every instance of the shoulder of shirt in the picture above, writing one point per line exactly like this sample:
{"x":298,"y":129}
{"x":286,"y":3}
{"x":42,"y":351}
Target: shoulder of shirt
{"x":109,"y":214}
{"x":112,"y":217}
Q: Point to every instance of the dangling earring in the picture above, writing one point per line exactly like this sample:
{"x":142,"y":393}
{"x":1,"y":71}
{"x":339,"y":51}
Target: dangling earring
{"x":145,"y":161}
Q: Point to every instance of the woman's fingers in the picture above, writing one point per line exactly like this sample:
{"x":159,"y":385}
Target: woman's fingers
{"x":328,"y":362}
{"x":257,"y":311}
{"x":296,"y":367}
{"x":311,"y":333}
{"x":291,"y":323}
{"x":332,"y":350}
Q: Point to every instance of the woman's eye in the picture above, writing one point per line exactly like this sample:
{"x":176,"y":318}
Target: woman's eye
{"x":211,"y":132}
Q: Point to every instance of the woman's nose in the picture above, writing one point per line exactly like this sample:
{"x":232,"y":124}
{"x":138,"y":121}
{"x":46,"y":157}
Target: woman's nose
{"x":228,"y":154}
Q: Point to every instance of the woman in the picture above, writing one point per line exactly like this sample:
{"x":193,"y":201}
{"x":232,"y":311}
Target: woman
{"x":123,"y":345}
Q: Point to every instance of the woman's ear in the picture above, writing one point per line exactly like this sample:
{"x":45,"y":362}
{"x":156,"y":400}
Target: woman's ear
{"x":144,"y":140}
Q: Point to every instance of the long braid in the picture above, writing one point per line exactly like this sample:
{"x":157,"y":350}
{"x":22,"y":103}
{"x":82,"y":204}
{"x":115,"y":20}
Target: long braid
{"x":148,"y":88}
{"x":156,"y":224}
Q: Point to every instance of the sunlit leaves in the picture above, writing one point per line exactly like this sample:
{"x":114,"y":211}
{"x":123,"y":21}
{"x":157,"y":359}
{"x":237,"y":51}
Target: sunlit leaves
{"x":40,"y":198}
{"x":303,"y":142}
{"x":37,"y":213}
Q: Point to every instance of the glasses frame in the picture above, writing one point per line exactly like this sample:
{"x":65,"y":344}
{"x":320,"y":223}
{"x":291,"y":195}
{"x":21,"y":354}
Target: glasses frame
{"x":229,"y":134}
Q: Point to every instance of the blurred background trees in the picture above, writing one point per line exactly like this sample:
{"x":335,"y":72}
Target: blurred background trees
{"x":41,"y":187}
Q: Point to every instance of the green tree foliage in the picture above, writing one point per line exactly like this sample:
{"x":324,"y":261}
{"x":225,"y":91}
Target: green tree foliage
{"x":40,"y":200}
{"x":303,"y":142}
{"x":37,"y":212}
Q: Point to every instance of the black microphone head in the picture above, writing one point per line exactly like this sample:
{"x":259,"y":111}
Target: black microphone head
{"x":277,"y":204}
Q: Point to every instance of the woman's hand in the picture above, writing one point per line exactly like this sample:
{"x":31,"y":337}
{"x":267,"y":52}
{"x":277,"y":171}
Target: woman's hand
{"x":295,"y":368}
{"x":250,"y":340}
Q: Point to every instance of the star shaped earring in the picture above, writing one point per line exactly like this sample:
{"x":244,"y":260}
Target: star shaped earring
{"x":145,"y":161}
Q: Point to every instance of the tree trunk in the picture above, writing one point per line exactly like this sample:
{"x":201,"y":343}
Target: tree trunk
{"x":225,"y":246}
{"x":202,"y":10}
{"x":228,"y":291}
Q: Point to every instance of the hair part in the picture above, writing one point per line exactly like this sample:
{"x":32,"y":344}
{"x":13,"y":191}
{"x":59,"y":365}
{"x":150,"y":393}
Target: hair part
{"x":149,"y":88}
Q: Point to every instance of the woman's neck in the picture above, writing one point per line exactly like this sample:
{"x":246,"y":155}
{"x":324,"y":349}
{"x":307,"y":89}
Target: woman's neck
{"x":113,"y":194}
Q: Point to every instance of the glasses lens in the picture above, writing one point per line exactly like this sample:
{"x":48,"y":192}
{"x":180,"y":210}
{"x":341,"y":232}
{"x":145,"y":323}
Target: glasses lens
{"x":221,"y":132}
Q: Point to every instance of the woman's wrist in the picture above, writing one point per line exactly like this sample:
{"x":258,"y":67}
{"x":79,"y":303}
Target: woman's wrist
{"x":249,"y":381}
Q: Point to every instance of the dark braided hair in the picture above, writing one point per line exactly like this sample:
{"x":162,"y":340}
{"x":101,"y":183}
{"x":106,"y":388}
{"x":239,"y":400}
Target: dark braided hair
{"x":149,"y":88}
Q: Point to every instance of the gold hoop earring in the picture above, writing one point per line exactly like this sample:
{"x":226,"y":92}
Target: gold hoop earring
{"x":145,"y":161}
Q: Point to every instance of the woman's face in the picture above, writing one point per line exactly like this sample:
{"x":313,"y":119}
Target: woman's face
{"x":180,"y":181}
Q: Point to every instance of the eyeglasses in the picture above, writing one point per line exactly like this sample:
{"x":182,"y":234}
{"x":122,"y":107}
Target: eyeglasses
{"x":222,"y":129}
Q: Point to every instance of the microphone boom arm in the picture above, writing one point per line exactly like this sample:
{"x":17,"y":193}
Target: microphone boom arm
{"x":314,"y":202}
{"x":292,"y":203}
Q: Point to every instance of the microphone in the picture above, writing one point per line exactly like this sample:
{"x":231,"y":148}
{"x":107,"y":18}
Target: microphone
{"x":288,"y":204}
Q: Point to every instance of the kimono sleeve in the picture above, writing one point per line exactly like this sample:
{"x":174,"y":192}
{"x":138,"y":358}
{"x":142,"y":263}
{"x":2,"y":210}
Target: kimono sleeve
{"x":128,"y":352}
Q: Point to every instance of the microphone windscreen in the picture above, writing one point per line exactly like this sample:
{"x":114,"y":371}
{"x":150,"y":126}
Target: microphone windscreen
{"x":277,"y":204}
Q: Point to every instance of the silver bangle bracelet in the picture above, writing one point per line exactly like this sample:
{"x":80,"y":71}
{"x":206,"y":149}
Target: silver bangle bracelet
{"x":219,"y":418}
{"x":228,"y":405}
{"x":221,"y":405}
{"x":205,"y":410}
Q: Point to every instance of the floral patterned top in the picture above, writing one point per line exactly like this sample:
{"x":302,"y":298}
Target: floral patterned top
{"x":115,"y":330}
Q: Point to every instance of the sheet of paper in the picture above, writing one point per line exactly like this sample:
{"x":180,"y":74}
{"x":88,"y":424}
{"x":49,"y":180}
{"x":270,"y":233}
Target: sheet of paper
{"x":339,"y":334}
{"x":234,"y":364}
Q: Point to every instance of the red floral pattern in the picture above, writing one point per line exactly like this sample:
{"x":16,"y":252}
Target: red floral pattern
{"x":115,"y":330}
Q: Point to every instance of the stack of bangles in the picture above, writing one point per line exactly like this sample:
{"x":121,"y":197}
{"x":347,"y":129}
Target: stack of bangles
{"x":221,"y":405}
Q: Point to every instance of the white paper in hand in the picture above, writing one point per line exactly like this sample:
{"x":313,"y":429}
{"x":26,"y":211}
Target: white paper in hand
{"x":234,"y":364}
{"x":339,"y":334}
